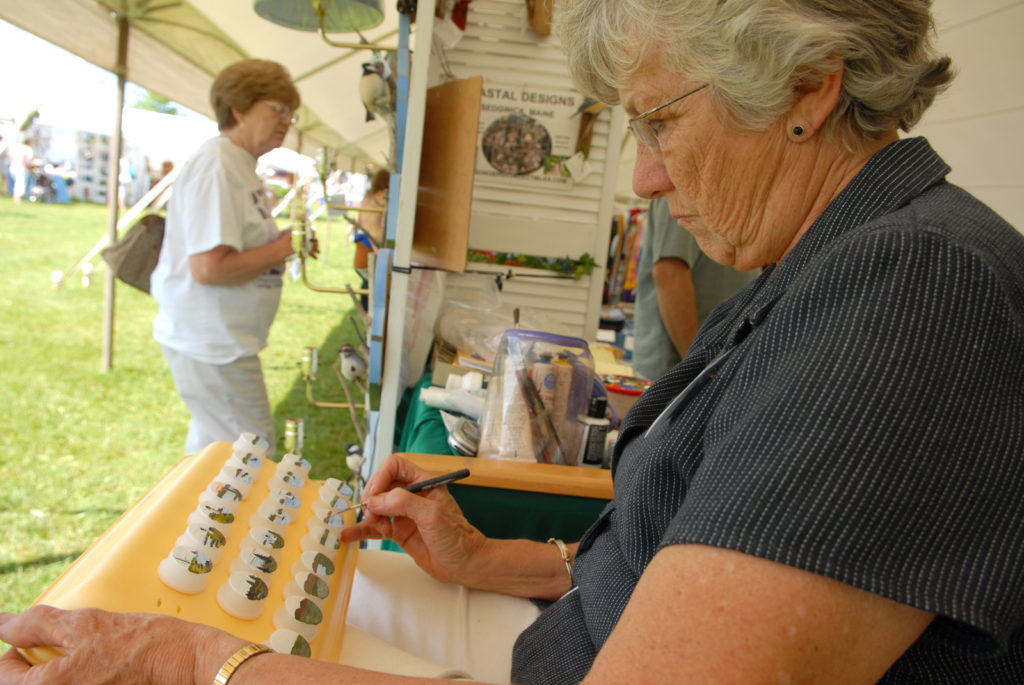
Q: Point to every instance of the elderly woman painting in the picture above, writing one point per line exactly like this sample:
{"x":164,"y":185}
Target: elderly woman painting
{"x":828,"y":488}
{"x":218,"y":281}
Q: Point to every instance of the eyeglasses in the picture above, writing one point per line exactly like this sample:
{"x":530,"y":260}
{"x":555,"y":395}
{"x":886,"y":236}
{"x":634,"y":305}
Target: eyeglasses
{"x":644,"y":129}
{"x":282,"y":111}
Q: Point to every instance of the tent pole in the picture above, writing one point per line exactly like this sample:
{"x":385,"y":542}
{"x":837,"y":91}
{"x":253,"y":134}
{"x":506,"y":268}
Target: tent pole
{"x":113,"y":171}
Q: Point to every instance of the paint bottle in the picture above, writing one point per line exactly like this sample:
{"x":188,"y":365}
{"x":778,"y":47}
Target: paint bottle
{"x":595,"y":433}
{"x":543,"y":376}
{"x":559,"y":407}
{"x":516,"y":434}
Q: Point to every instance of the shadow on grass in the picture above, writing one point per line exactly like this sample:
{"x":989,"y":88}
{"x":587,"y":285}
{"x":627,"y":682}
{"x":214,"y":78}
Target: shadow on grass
{"x":46,"y":560}
{"x":91,"y":511}
{"x":112,"y":513}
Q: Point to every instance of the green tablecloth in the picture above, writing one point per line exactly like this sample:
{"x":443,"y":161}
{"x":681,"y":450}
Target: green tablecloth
{"x":423,"y":429}
{"x":497,"y":512}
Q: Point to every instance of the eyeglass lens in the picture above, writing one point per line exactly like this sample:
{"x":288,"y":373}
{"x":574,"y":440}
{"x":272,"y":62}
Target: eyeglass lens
{"x":642,"y":130}
{"x":641,"y":127}
{"x":283,"y":111}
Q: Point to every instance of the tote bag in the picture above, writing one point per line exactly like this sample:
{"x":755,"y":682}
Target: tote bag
{"x":134,"y":256}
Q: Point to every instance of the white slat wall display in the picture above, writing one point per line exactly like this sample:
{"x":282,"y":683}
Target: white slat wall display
{"x":562,"y":312}
{"x":499,"y":45}
{"x":976,"y":126}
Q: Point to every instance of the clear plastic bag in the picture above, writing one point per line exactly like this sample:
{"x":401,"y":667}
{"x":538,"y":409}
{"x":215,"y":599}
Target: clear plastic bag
{"x":540,"y":386}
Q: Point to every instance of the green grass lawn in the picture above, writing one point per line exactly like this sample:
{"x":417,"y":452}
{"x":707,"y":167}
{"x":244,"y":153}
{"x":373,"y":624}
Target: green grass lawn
{"x":79,"y":445}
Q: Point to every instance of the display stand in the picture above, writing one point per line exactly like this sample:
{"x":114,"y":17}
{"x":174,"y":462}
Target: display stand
{"x":497,"y":46}
{"x":400,"y":229}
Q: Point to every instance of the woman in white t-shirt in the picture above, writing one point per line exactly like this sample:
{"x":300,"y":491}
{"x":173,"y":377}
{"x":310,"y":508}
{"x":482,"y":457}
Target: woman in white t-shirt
{"x":218,"y":281}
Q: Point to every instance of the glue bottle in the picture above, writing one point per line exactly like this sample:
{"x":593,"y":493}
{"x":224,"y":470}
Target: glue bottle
{"x":595,"y":433}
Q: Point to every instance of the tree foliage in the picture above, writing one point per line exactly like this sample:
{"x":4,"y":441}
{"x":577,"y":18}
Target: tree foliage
{"x":156,"y":103}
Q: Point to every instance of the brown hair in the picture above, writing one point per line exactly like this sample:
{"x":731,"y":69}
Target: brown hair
{"x":242,"y":84}
{"x":381,"y":180}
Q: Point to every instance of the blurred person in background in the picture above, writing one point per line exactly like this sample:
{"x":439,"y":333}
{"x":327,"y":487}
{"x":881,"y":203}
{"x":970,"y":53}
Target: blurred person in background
{"x":218,"y":281}
{"x":5,"y":174}
{"x":19,"y":158}
{"x":677,"y":286}
{"x":370,"y":238}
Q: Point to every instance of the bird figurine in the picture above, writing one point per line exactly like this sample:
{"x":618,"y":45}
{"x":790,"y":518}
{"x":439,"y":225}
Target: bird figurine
{"x":588,"y":106}
{"x":354,"y":459}
{"x":588,"y":112}
{"x":375,"y":89}
{"x":407,"y":7}
{"x":354,"y":456}
{"x":353,"y":367}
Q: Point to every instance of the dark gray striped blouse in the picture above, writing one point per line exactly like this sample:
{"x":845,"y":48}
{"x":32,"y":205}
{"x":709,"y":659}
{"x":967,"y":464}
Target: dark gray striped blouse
{"x":866,"y":422}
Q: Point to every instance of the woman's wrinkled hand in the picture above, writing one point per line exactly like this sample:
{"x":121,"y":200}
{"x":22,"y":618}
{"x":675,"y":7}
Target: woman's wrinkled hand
{"x":282,"y":246}
{"x":91,"y":646}
{"x":428,"y":525}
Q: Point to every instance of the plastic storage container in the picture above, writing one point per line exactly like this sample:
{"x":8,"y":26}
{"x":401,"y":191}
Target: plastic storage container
{"x":540,"y":387}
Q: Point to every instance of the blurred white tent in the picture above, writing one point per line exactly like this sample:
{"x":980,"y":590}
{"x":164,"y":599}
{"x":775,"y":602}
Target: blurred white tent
{"x":176,"y":47}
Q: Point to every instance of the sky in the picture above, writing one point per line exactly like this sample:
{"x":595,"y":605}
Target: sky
{"x":73,"y":95}
{"x":69,"y":92}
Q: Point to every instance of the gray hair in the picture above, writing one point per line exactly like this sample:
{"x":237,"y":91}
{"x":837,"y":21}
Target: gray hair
{"x":755,"y":53}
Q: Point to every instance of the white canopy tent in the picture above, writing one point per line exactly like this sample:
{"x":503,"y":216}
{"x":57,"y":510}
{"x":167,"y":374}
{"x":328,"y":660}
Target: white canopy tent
{"x":176,"y":47}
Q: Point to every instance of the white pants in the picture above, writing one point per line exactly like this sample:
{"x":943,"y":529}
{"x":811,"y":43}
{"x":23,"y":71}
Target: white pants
{"x":20,"y":176}
{"x":225,"y":399}
{"x":401,"y":620}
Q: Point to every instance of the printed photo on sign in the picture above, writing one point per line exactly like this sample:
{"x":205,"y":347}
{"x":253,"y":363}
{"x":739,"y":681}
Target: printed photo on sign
{"x":526,"y":135}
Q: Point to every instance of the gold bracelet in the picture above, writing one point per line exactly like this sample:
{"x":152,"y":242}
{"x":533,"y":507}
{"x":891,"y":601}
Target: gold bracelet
{"x":237,"y":659}
{"x":566,"y":557}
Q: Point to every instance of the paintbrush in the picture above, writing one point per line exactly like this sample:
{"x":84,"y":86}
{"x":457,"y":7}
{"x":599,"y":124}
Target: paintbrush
{"x":434,"y":482}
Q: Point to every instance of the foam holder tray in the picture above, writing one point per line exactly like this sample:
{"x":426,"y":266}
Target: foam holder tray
{"x":119,"y":572}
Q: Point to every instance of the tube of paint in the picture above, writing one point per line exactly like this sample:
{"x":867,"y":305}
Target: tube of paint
{"x":595,"y":433}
